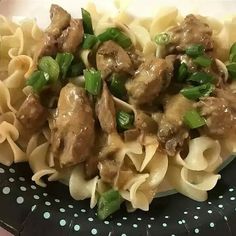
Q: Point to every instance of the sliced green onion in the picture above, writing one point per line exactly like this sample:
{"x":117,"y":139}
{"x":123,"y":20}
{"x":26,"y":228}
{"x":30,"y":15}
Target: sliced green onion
{"x":64,"y":61}
{"x":38,"y":80}
{"x":200,"y":78}
{"x":117,"y":86}
{"x":162,"y":39}
{"x":89,"y":41}
{"x":87,"y":22}
{"x":49,"y":65}
{"x":76,"y":69}
{"x":193,"y":119}
{"x":195,"y":50}
{"x":203,"y":61}
{"x":233,"y":49}
{"x":116,"y":35}
{"x":232,"y":58}
{"x":182,"y":72}
{"x":108,"y":203}
{"x":93,"y":81}
{"x":194,"y":93}
{"x":124,"y":120}
{"x":232,"y":69}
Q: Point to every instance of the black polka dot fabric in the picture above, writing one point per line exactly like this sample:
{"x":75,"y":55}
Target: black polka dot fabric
{"x":27,"y":209}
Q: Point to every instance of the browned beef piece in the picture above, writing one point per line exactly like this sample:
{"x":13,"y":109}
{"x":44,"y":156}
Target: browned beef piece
{"x":112,"y":58}
{"x":220,"y":113}
{"x":105,"y":110}
{"x":32,"y":114}
{"x":153,"y":77}
{"x":190,"y":31}
{"x":91,"y":166}
{"x":71,"y":37}
{"x":73,"y":129}
{"x":171,"y":130}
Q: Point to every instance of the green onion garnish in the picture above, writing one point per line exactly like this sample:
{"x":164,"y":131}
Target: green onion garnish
{"x":193,"y":119}
{"x":182,"y":72}
{"x":200,"y":78}
{"x":124,"y":120}
{"x":233,"y":49}
{"x":117,"y":86}
{"x":93,"y":81}
{"x":76,"y":69}
{"x":89,"y":41}
{"x":194,"y":93}
{"x":116,"y":35}
{"x":232,"y":58}
{"x":38,"y":80}
{"x":49,"y":65}
{"x":64,"y":61}
{"x":203,"y":61}
{"x":195,"y":50}
{"x":162,"y":39}
{"x":108,"y":203}
{"x":87,"y":22}
{"x":232,"y":69}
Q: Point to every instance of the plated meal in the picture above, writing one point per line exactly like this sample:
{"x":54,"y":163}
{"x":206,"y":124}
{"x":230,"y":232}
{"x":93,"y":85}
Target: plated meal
{"x":119,"y":108}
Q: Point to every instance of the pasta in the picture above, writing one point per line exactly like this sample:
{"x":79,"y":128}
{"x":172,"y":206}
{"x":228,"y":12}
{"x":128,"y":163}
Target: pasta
{"x":140,"y":130}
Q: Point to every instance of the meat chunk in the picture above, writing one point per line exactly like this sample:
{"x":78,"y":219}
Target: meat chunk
{"x":73,"y":129}
{"x":91,"y":166}
{"x":153,"y":77}
{"x":71,"y":37}
{"x":190,"y":31}
{"x":112,"y":58}
{"x":60,"y":19}
{"x":171,"y":130}
{"x":32,"y":114}
{"x":105,"y":109}
{"x":220,"y":115}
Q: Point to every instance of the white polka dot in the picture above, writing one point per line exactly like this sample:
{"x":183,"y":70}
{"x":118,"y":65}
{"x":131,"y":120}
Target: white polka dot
{"x":22,"y":179}
{"x":225,"y":217}
{"x":2,"y":171}
{"x":209,"y":211}
{"x":118,"y":224}
{"x":36,"y":197}
{"x":33,"y":186}
{"x":185,"y":212}
{"x":220,"y":197}
{"x":11,"y":180}
{"x":183,"y":221}
{"x":124,"y":218}
{"x":33,"y":207}
{"x":70,"y":206}
{"x":76,"y":215}
{"x":22,"y":188}
{"x":123,"y":235}
{"x":12,"y":170}
{"x":212,"y":224}
{"x":172,"y":234}
{"x":196,"y":231}
{"x":46,"y":215}
{"x":62,"y":222}
{"x":20,"y":200}
{"x":62,"y":210}
{"x":180,"y":222}
{"x":135,"y":225}
{"x":167,"y":217}
{"x":106,"y":222}
{"x":139,"y":218}
{"x":90,"y":219}
{"x":57,"y":200}
{"x":76,"y":228}
{"x":231,"y":189}
{"x":220,"y":206}
{"x":45,"y":194}
{"x":48,"y":203}
{"x":232,"y":198}
{"x":209,"y":203}
{"x":83,"y":210}
{"x":164,"y":225}
{"x":198,"y":208}
{"x":195,"y":217}
{"x":152,"y":218}
{"x":149,"y":226}
{"x":6,"y":190}
{"x":94,"y":231}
